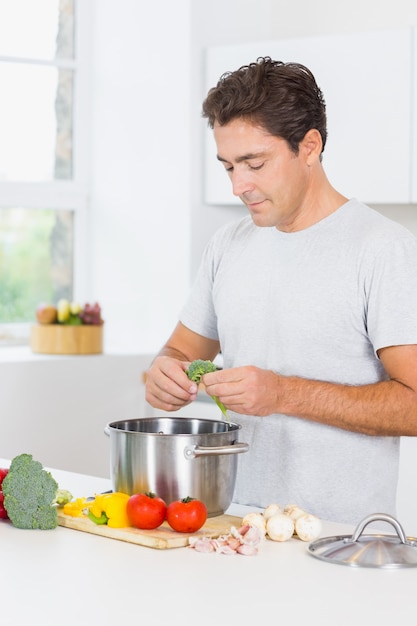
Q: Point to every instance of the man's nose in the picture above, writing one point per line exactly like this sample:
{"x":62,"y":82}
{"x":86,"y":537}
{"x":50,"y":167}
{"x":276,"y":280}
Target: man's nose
{"x":240,"y":183}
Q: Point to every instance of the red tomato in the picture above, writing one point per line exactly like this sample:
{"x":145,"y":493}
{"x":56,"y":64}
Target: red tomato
{"x":187,"y":515}
{"x":3,"y":473}
{"x":146,"y":510}
{"x":3,"y":512}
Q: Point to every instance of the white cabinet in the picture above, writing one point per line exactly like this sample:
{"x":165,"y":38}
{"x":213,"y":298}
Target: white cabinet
{"x":56,"y":407}
{"x":366,"y":79}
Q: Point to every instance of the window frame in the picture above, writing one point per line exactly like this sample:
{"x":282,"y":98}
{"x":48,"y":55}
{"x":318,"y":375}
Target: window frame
{"x":71,"y":194}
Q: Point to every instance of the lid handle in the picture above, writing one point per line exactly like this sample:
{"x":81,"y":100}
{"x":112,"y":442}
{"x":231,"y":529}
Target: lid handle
{"x":382,"y":517}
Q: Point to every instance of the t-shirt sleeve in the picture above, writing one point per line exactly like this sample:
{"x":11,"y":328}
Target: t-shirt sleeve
{"x":392,"y":295}
{"x":198,"y":313}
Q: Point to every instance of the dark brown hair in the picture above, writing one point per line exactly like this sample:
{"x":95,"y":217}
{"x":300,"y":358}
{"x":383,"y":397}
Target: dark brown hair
{"x":283,"y":98}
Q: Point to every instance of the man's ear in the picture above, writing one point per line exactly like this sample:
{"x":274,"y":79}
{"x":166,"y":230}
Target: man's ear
{"x":311,"y":146}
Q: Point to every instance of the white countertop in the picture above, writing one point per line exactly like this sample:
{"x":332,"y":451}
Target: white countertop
{"x":71,"y":578}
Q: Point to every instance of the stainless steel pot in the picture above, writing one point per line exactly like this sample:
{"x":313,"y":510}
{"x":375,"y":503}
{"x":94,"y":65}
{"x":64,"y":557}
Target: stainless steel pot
{"x":176,"y":457}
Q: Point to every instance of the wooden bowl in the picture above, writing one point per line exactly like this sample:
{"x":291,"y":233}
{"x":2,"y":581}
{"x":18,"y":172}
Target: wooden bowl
{"x":61,"y":339}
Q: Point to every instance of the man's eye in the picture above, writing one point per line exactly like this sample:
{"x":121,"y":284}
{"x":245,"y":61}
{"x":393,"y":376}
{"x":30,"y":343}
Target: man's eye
{"x":256,"y":167}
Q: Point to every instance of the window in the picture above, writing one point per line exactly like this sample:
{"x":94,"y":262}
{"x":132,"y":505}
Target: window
{"x":43,"y":167}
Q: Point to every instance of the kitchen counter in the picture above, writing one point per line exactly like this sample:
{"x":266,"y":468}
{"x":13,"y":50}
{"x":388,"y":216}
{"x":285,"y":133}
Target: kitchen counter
{"x":68,"y":577}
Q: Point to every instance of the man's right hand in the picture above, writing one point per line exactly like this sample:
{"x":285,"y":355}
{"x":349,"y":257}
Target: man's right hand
{"x":167,"y":385}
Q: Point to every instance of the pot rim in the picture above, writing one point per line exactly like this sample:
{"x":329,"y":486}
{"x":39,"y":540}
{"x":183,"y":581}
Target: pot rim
{"x":117,"y":426}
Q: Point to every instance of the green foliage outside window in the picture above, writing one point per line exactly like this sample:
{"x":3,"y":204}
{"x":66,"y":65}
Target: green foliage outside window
{"x":34,"y":249}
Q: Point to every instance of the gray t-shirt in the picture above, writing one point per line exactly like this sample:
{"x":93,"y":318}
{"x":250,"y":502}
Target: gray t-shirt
{"x":318,"y":304}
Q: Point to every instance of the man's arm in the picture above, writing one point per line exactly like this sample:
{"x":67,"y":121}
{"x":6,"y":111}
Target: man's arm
{"x":167,"y":386}
{"x":384,"y":408}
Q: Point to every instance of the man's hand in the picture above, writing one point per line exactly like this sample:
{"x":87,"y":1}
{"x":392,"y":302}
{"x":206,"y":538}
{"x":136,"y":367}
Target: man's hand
{"x":248,"y":390}
{"x":168,"y":386}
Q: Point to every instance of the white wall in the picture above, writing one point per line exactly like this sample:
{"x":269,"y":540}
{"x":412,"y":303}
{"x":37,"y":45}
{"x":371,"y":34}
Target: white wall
{"x":140,"y":196}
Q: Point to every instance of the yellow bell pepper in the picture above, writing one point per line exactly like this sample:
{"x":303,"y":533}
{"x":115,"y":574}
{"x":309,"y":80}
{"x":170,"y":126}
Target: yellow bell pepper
{"x":110,"y":509}
{"x":76,"y":507}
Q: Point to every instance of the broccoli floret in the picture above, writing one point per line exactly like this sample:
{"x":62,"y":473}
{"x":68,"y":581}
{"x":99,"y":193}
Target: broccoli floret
{"x":196,"y":370}
{"x":62,"y":496}
{"x":29,"y":494}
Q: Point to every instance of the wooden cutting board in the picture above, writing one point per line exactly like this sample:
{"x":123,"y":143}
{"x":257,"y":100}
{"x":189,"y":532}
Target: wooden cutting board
{"x":161,"y":538}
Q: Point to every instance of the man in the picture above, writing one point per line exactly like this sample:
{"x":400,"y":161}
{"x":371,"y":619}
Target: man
{"x":312,"y":300}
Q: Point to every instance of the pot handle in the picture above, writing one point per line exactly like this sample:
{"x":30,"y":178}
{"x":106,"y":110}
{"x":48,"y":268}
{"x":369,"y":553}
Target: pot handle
{"x":107,"y":430}
{"x":191,"y":452}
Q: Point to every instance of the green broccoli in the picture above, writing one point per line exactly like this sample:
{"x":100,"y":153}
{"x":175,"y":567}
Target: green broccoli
{"x":196,"y":370}
{"x":62,"y":496}
{"x":30,"y":493}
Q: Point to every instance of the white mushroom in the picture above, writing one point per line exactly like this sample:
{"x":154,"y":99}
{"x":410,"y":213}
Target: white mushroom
{"x":280,"y":527}
{"x":294,"y":511}
{"x":255,"y":519}
{"x":308,"y":527}
{"x":271,"y":509}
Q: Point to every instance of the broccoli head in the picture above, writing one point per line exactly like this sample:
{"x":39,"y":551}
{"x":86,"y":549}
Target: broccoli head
{"x":29,"y":494}
{"x":196,"y":370}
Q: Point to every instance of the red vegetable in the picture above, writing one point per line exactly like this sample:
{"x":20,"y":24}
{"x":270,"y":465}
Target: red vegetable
{"x":3,"y":512}
{"x":146,"y":510}
{"x":187,"y":515}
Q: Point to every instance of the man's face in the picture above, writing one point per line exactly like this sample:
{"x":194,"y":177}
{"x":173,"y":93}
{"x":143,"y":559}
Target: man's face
{"x":265,"y":173}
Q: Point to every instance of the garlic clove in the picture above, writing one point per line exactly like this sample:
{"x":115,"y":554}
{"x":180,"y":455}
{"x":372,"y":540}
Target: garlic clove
{"x":247,"y":549}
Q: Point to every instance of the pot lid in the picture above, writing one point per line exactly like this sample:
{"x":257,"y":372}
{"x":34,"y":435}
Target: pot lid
{"x":373,"y":550}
